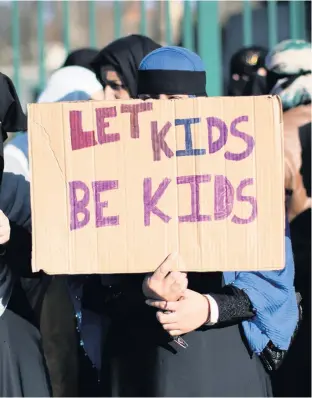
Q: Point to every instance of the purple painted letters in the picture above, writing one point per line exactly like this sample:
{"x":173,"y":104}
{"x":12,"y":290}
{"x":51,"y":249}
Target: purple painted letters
{"x":78,"y":206}
{"x":223,"y":197}
{"x":158,"y":140}
{"x":215,"y":146}
{"x":98,"y":187}
{"x":150,"y":202}
{"x":250,"y":199}
{"x":194,"y":182}
{"x":247,"y":138}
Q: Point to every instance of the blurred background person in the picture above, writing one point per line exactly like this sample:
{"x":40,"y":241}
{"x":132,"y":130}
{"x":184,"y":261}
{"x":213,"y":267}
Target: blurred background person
{"x":23,"y":371}
{"x":64,"y":81}
{"x":71,"y":79}
{"x":247,"y":72}
{"x":117,"y":64}
{"x":233,"y":30}
{"x":289,"y":67}
{"x":81,"y":57}
{"x":57,"y":315}
{"x":15,"y":195}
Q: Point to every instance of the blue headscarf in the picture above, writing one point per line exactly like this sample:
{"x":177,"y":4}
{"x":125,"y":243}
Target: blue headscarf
{"x":271,"y":293}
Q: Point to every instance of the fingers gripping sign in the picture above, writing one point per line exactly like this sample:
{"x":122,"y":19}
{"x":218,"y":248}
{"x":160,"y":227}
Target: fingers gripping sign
{"x":183,"y":316}
{"x":170,"y":285}
{"x":166,"y":283}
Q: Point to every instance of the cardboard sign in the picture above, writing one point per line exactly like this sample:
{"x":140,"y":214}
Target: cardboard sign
{"x":118,"y":186}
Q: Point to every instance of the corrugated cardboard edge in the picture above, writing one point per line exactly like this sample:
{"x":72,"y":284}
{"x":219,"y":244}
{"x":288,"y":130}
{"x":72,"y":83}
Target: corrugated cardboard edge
{"x":278,"y":108}
{"x":278,"y":122}
{"x":32,"y":200}
{"x":32,"y":114}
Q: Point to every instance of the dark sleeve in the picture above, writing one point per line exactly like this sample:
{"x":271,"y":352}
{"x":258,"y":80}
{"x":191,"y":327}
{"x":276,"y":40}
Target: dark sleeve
{"x":17,"y":256}
{"x":18,"y":251}
{"x":234,"y":305}
{"x":129,"y":290}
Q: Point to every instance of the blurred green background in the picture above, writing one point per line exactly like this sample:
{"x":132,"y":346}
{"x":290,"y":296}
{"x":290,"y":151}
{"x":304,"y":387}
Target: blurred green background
{"x":36,"y":36}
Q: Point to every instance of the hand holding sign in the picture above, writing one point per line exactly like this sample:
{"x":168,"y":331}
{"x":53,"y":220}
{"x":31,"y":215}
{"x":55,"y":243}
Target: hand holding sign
{"x":183,"y":316}
{"x":165,"y":283}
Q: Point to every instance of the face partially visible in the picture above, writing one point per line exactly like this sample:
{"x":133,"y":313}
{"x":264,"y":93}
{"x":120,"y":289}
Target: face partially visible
{"x":261,"y":72}
{"x":114,"y":87}
{"x":163,"y":96}
{"x":98,"y":96}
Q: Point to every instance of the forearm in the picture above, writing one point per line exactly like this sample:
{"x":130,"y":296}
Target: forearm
{"x":230,"y":306}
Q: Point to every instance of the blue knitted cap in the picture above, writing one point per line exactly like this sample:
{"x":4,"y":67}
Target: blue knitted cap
{"x":172,"y":58}
{"x":172,"y":70}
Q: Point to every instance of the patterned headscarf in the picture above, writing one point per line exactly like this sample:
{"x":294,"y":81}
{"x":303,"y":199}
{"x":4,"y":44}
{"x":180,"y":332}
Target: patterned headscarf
{"x":289,"y":67}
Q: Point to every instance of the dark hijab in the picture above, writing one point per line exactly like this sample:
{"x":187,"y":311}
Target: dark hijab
{"x":245,"y":63}
{"x":124,"y":56}
{"x":305,"y":141}
{"x":82,"y":57}
{"x":12,"y":117}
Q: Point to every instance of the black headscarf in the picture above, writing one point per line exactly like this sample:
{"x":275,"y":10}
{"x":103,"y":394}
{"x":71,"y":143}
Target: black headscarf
{"x":246,"y":63}
{"x":12,"y":117}
{"x":124,"y":56}
{"x":305,"y":141}
{"x":82,"y":57}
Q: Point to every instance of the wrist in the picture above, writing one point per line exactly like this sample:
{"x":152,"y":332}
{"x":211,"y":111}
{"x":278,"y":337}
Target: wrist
{"x":213,"y":311}
{"x":207,"y":309}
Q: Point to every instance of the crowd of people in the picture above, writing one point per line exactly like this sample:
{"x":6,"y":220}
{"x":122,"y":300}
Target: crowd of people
{"x":167,"y":333}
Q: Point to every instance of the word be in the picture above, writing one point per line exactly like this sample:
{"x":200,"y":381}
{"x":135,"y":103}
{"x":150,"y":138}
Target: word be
{"x":83,"y":139}
{"x":224,"y":198}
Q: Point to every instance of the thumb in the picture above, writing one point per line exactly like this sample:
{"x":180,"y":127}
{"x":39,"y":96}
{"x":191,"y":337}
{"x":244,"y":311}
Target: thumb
{"x":170,"y":264}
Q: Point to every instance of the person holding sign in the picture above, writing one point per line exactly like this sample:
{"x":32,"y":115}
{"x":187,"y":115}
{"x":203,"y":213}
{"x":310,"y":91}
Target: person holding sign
{"x":227,"y":321}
